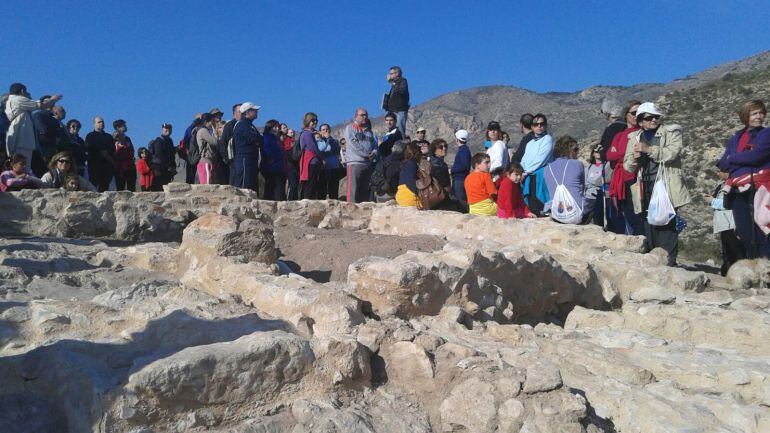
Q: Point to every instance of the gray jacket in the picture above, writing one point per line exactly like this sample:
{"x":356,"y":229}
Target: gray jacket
{"x":361,"y":143}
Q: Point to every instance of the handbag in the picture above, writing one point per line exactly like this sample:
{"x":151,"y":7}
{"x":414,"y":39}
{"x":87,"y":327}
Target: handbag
{"x":660,"y":210}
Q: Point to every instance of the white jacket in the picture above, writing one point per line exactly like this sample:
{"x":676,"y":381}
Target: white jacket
{"x":498,"y":156}
{"x":21,"y":131}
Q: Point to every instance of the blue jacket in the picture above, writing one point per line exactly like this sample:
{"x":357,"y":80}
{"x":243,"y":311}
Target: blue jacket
{"x":330,"y":149}
{"x":272,"y":155}
{"x":246,"y":140}
{"x":462,"y":164}
{"x":408,"y":175}
{"x":737,"y":164}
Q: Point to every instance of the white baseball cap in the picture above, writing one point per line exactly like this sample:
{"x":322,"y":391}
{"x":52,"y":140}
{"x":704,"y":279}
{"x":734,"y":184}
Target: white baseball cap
{"x":462,"y":135}
{"x":246,"y":106}
{"x":648,"y":108}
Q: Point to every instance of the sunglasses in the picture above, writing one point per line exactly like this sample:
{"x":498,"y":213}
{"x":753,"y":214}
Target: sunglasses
{"x":539,"y":124}
{"x":650,"y":118}
{"x":64,"y":161}
{"x":633,"y":113}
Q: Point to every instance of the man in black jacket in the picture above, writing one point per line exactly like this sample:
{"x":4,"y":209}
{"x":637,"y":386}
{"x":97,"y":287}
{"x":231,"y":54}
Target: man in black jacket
{"x":224,"y":146}
{"x":525,"y":126}
{"x":397,"y":100}
{"x":163,"y":158}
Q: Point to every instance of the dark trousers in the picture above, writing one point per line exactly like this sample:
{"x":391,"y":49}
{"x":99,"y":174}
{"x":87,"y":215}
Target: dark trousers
{"x":634,"y":223}
{"x":245,"y":174}
{"x":224,"y":173}
{"x":159,"y":180}
{"x":293,"y":179}
{"x":191,"y":171}
{"x":533,"y":203}
{"x":754,"y":241}
{"x":275,"y":186}
{"x":458,"y":190}
{"x":125,"y":181}
{"x":732,"y":250}
{"x":100,"y":180}
{"x":665,"y":237}
{"x":359,"y":175}
{"x":311,"y":187}
{"x":330,"y":184}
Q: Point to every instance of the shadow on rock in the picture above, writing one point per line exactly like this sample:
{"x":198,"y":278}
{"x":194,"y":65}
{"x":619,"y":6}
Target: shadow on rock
{"x":75,"y":377}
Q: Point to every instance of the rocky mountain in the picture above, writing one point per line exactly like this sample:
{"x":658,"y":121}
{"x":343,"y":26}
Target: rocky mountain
{"x":704,"y":103}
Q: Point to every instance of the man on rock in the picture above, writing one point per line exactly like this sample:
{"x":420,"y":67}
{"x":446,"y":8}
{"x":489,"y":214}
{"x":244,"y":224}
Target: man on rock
{"x":397,"y":100}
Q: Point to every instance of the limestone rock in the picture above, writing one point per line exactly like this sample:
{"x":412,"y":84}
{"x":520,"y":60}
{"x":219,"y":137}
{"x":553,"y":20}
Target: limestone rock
{"x":470,"y":406}
{"x":256,"y":364}
{"x":542,"y":377}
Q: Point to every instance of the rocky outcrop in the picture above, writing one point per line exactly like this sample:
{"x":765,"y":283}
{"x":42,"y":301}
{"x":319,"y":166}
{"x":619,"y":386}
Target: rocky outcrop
{"x":156,"y":216}
{"x":512,"y":326}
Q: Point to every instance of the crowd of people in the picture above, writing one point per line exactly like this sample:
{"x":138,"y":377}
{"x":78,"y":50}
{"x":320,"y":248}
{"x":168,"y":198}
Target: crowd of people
{"x":631,"y":184}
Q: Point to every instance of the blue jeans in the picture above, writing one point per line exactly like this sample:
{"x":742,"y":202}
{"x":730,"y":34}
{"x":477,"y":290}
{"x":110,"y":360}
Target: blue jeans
{"x":401,"y":117}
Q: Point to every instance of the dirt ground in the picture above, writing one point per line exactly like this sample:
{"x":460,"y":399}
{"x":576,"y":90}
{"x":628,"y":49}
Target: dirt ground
{"x":325,"y":254}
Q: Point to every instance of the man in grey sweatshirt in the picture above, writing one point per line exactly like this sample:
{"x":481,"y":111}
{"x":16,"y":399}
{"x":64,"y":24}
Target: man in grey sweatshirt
{"x":360,"y":152}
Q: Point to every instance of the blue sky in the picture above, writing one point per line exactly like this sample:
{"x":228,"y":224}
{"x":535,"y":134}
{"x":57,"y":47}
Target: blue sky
{"x":149,"y":62}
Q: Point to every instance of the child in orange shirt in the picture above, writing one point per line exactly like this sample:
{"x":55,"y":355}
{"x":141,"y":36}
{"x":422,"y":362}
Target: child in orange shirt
{"x":510,"y":203}
{"x":479,"y":188}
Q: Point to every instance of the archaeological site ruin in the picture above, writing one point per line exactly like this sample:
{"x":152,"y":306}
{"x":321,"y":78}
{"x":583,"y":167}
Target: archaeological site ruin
{"x":202,"y":308}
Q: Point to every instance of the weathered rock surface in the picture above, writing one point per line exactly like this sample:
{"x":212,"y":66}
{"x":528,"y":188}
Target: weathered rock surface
{"x":512,"y":326}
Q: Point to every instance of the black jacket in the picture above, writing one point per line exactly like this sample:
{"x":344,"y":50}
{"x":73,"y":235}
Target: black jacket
{"x":163,"y":154}
{"x":398,"y":98}
{"x":522,"y":146}
{"x":227,"y":133}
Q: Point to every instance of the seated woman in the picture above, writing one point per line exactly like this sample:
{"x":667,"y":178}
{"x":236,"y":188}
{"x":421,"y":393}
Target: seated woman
{"x":479,"y":188}
{"x":510,"y":202}
{"x":63,"y":164}
{"x":566,"y":170}
{"x":19,"y":176}
{"x":406,"y":194}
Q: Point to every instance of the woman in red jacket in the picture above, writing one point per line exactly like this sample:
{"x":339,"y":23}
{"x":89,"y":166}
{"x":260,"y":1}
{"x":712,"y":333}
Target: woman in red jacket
{"x":620,"y":184}
{"x":144,"y":169}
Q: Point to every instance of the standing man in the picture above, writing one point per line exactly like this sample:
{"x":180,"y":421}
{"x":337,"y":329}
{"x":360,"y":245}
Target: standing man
{"x":397,"y":101}
{"x":461,"y":168}
{"x":246,"y":144}
{"x":525,"y":126}
{"x":360,"y":151}
{"x":391,"y":137}
{"x":225,"y":144}
{"x":100,"y":147}
{"x":162,"y":158}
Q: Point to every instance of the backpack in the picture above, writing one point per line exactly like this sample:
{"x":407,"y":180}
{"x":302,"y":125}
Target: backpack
{"x":194,"y":152}
{"x":378,"y":182}
{"x":564,"y":208}
{"x":230,"y":149}
{"x":429,"y":190}
{"x":296,"y":149}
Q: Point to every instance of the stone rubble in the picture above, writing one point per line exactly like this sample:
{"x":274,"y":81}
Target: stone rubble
{"x":513,"y":326}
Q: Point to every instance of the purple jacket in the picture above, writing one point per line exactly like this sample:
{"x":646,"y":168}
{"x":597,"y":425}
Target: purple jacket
{"x":751,"y":161}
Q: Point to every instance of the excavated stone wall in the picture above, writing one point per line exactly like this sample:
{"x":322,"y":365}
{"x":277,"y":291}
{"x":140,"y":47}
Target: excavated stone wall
{"x":512,"y":326}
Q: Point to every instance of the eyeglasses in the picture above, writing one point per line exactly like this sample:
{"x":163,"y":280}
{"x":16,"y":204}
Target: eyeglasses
{"x":633,"y":113}
{"x":539,"y":124}
{"x":64,"y":161}
{"x":650,"y":118}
